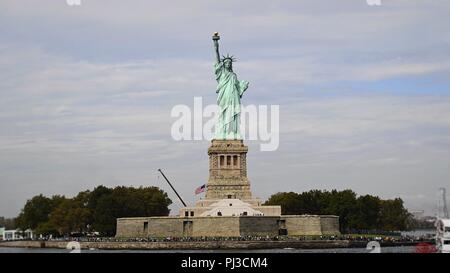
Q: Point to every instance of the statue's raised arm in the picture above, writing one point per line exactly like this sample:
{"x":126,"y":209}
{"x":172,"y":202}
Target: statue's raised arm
{"x":216,"y":39}
{"x":230,"y":91}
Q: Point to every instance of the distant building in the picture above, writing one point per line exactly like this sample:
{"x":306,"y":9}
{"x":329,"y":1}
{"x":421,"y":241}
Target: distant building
{"x":418,"y":214}
{"x":17,"y":234}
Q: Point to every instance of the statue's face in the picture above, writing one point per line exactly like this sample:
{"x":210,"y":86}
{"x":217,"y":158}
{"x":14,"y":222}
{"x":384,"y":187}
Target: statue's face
{"x":228,"y":64}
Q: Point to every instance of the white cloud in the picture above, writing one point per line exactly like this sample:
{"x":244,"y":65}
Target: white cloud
{"x":349,"y":116}
{"x":87,"y":92}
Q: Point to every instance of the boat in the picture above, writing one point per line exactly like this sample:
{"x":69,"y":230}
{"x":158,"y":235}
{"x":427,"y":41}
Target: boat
{"x":443,"y":235}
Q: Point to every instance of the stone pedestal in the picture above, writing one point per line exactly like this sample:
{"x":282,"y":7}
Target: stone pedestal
{"x":228,"y":184}
{"x":228,"y":170}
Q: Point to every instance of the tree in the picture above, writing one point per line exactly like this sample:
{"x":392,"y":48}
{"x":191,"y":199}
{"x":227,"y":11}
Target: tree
{"x":95,"y":210}
{"x":69,"y":216}
{"x":362,"y":213}
{"x":37,"y":210}
{"x":96,"y":194}
{"x":314,"y":202}
{"x":128,"y":202}
{"x":289,"y":201}
{"x":367,"y":214}
{"x":46,"y":228}
{"x":393,"y":215}
{"x":343,"y":204}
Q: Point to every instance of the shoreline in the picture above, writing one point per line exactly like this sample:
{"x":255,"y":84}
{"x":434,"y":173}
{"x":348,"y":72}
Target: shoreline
{"x":204,"y":245}
{"x":198,"y":245}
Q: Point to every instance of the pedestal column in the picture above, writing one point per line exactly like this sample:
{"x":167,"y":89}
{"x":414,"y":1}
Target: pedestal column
{"x":228,"y":170}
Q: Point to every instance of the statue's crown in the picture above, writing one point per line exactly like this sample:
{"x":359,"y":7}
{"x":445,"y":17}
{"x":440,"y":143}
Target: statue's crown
{"x":228,"y":57}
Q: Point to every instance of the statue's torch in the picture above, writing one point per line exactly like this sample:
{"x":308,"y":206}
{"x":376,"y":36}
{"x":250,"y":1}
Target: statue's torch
{"x":216,"y":36}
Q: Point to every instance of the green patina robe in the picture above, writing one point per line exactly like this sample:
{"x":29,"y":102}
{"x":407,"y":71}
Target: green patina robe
{"x":229,"y":90}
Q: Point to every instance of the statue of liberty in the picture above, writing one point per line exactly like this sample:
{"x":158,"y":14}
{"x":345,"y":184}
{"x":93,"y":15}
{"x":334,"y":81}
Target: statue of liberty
{"x":230,"y":91}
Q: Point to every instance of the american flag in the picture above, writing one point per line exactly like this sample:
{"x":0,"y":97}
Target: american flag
{"x":200,"y":189}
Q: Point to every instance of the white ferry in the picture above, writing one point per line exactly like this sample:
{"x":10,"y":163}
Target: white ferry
{"x":443,"y":235}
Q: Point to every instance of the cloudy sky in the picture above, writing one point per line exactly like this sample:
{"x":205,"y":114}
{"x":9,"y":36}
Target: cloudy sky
{"x":87,"y":91}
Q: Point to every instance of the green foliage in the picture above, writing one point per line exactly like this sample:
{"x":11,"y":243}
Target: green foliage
{"x":70,"y":216}
{"x":37,"y":210}
{"x":95,"y":210}
{"x":340,"y":203}
{"x":128,"y":202}
{"x":361,"y":213}
{"x":393,"y":215}
{"x":46,"y":228}
{"x":367,"y":213}
{"x":289,"y":201}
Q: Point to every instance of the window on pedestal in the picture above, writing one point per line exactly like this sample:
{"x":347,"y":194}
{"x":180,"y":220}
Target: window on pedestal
{"x":235,"y":160}
{"x":228,"y":160}
{"x":222,"y":160}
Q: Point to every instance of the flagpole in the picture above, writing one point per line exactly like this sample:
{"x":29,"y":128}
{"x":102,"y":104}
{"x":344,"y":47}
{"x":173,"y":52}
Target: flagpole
{"x":159,"y":170}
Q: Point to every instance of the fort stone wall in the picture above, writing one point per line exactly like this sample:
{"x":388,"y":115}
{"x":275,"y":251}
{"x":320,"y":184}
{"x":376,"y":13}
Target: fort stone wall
{"x":227,"y":226}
